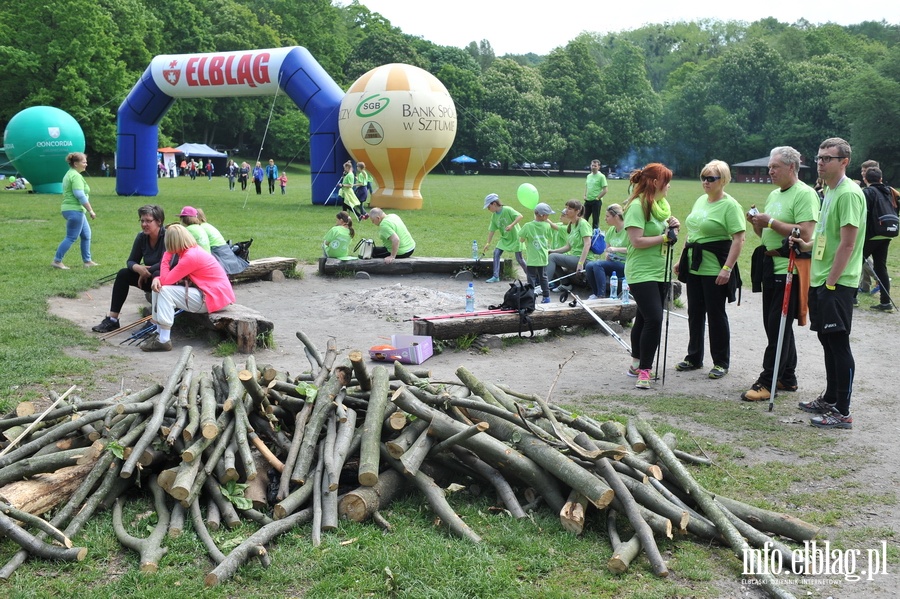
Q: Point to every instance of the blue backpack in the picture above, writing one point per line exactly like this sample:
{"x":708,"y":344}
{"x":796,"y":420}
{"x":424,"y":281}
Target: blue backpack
{"x":598,"y":242}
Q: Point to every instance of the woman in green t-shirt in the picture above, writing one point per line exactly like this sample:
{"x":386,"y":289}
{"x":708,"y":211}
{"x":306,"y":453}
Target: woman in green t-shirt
{"x":648,"y":220}
{"x":573,"y":254}
{"x":599,"y":271}
{"x":715,"y":236}
{"x":76,"y":205}
{"x":337,"y":241}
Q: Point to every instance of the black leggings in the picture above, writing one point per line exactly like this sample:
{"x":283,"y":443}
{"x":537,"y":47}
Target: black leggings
{"x":647,"y":327}
{"x":125,"y":280}
{"x":383,"y":252}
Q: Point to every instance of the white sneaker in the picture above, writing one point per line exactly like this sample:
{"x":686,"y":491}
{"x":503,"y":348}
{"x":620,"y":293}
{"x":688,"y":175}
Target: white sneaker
{"x":592,"y":297}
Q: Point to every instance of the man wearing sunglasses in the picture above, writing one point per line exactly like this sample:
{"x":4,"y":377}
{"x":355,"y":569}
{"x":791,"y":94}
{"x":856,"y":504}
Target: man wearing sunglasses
{"x":837,"y":247}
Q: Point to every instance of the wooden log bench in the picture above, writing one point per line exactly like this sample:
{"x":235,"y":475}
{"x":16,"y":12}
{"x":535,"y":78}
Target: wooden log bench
{"x":412,"y":265}
{"x":245,"y":325}
{"x":267,"y":269}
{"x":545,"y":316}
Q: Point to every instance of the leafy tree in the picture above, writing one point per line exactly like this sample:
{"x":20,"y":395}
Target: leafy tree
{"x":482,"y":53}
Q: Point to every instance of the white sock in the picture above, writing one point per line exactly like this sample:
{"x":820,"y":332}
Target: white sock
{"x":164,"y":334}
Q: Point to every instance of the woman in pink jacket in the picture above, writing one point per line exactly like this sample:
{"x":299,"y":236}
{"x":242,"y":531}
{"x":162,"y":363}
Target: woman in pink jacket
{"x":210,"y":290}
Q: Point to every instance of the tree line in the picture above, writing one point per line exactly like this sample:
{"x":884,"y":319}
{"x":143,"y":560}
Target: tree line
{"x":682,"y":93}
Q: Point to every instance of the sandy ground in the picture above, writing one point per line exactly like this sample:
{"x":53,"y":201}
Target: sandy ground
{"x":362,"y":313}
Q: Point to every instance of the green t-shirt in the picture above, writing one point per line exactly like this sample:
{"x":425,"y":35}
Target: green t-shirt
{"x":536,"y":236}
{"x":363,"y":178}
{"x":798,"y":204}
{"x":844,"y":205}
{"x":337,"y":242}
{"x":594,"y":185}
{"x":716,"y":221}
{"x":617,"y":239}
{"x":215,"y":238}
{"x":509,"y":240}
{"x":575,"y":237}
{"x":199,"y":235}
{"x":646,"y":264}
{"x":73,"y":180}
{"x":347,"y":193}
{"x":391,"y":225}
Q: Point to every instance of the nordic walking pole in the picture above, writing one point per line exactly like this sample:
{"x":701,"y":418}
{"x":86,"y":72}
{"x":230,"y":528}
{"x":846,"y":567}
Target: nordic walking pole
{"x":871,"y":272}
{"x":602,"y":323}
{"x":670,"y":258}
{"x":785,"y":303}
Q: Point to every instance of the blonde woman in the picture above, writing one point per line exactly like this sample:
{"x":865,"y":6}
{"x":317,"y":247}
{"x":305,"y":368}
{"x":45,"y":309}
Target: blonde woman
{"x":708,"y":268}
{"x":211,"y":290}
{"x":599,"y":271}
{"x":76,"y":205}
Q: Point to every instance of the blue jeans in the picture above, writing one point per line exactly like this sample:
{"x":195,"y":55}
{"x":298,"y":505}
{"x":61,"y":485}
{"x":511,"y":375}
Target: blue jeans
{"x":76,"y":226}
{"x":598,"y":272}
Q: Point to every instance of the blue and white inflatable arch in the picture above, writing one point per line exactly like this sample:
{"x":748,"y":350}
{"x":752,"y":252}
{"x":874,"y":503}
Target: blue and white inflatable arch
{"x":229,"y":74}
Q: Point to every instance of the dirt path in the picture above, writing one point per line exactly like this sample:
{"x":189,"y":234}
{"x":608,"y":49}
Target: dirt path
{"x":363,"y":313}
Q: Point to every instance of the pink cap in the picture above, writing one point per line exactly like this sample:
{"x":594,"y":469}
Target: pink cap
{"x":188,"y":211}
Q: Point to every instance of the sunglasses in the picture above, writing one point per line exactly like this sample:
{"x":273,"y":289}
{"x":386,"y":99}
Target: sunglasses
{"x":827,"y":159}
{"x":709,"y":179}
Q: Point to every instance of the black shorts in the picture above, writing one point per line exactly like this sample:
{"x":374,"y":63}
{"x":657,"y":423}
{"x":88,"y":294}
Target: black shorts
{"x":831,"y":311}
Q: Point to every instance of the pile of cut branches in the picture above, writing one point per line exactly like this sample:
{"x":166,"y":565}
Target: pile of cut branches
{"x":343,"y":441}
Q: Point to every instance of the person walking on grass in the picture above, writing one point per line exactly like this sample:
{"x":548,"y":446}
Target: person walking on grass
{"x":794,"y":204}
{"x":837,"y":250}
{"x":505,"y":221}
{"x":536,"y":236}
{"x":76,"y":206}
{"x":708,"y":268}
{"x":271,"y":175}
{"x":648,"y":220}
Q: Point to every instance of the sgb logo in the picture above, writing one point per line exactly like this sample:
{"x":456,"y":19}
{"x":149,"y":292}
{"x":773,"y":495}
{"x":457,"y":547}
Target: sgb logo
{"x":371,"y":106}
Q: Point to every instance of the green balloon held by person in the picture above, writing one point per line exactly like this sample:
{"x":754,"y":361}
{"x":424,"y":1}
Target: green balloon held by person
{"x":37,"y":141}
{"x":528,"y":195}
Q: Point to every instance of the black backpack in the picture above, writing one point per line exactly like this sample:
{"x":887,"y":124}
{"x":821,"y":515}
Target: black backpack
{"x":883,"y":220}
{"x":519,"y":297}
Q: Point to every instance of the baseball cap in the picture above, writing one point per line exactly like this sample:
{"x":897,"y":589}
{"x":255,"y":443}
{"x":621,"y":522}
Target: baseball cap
{"x":490,"y":199}
{"x":188,"y":211}
{"x":543,"y":209}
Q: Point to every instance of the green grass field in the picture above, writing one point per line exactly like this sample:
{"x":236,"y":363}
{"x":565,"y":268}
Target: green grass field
{"x":531,"y":558}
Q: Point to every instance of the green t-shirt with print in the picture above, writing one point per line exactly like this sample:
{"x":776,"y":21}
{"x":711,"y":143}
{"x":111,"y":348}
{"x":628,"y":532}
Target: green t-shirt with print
{"x":797,"y":204}
{"x":337,"y":242}
{"x":575,"y":237}
{"x":645,"y":264}
{"x":509,"y":240}
{"x":845,"y":205}
{"x":72,"y":181}
{"x":393,"y":225}
{"x":617,"y":239}
{"x":593,"y":186}
{"x":713,"y":221}
{"x":536,"y":236}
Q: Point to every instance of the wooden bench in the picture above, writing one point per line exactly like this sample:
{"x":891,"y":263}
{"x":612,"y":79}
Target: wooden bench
{"x":245,"y":325}
{"x":412,"y":265}
{"x":267,"y":269}
{"x":545,"y":316}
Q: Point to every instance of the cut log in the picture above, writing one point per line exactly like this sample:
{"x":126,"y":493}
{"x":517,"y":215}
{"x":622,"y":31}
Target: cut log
{"x":406,"y":266}
{"x":45,"y":491}
{"x":241,"y":323}
{"x":545,"y":316}
{"x":361,"y":504}
{"x":263,"y":268}
{"x":573,"y":513}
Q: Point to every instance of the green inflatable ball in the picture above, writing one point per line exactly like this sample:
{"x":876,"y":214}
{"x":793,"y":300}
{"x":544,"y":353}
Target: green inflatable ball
{"x":528,"y":195}
{"x":37,"y":141}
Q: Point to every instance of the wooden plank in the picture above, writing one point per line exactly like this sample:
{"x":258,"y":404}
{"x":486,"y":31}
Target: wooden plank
{"x":545,"y":316}
{"x":412,"y":265}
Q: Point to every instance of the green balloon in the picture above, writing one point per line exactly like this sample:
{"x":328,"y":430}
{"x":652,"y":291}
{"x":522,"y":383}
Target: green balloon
{"x":528,"y":195}
{"x":37,"y":141}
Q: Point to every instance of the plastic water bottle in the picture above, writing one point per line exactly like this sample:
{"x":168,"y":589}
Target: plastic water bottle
{"x":474,"y":249}
{"x":470,"y":298}
{"x":625,"y":298}
{"x":614,"y":286}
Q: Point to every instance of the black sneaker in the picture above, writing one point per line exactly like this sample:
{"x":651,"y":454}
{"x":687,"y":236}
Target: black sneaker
{"x":108,"y":325}
{"x":882,"y":307}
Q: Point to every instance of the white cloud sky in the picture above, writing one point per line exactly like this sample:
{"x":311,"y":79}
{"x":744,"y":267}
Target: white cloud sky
{"x":522,"y":26}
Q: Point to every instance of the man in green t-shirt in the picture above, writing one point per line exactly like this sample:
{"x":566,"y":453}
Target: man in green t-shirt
{"x":793,"y":205}
{"x":834,"y":274}
{"x":398,"y":243}
{"x":595,"y":187}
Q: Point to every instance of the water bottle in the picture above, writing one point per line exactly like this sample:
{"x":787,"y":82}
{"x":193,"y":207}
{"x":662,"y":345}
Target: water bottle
{"x":614,"y":286}
{"x":470,"y":298}
{"x":474,"y":249}
{"x":625,"y":298}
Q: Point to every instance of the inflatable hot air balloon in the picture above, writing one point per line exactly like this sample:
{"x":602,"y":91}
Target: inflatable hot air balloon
{"x":37,"y":141}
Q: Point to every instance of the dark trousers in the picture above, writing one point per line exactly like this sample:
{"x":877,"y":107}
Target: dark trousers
{"x":706,"y":303}
{"x":772,"y":302}
{"x":833,"y":311}
{"x":125,"y":280}
{"x":271,"y":185}
{"x":592,"y":212}
{"x":258,"y":187}
{"x":878,"y":249}
{"x":537,"y":278}
{"x":383,"y":252}
{"x":645,"y":334}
